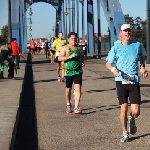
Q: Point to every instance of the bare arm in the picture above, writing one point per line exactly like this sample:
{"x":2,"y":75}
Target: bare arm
{"x":109,"y":66}
{"x":143,"y":71}
{"x":113,"y":69}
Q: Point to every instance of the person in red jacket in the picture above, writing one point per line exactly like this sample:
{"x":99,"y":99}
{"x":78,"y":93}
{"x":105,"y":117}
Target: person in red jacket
{"x":32,"y":47}
{"x":15,"y":51}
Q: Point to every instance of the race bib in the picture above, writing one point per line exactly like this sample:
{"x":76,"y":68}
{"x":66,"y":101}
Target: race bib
{"x":83,"y":48}
{"x":128,"y":79}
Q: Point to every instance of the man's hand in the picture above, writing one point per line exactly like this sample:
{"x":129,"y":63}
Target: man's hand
{"x":116,"y":73}
{"x":143,"y":72}
{"x":72,"y":56}
{"x":83,"y":64}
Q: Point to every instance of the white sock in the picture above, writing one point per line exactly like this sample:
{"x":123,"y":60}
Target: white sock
{"x":68,"y":104}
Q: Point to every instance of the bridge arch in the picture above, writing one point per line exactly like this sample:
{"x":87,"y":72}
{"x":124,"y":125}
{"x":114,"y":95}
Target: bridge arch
{"x":112,"y":11}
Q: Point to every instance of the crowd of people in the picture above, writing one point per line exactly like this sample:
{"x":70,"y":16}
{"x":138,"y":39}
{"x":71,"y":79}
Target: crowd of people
{"x":45,"y":47}
{"x":70,"y":55}
{"x":11,"y":53}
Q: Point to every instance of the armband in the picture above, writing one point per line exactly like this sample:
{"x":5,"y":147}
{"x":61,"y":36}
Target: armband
{"x":113,"y":69}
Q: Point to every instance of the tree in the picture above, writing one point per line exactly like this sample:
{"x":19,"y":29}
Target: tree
{"x":105,"y":38}
{"x":138,"y":28}
{"x":4,"y":35}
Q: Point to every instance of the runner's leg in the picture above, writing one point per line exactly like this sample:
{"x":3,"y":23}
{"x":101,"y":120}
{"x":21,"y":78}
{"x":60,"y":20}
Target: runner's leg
{"x":62,"y":71}
{"x":69,"y":81}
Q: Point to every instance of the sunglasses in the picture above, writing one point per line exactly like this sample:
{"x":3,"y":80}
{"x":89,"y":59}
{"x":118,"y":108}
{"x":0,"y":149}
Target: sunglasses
{"x":127,"y":30}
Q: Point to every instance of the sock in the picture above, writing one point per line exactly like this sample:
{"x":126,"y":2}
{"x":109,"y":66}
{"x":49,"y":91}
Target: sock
{"x":68,"y":104}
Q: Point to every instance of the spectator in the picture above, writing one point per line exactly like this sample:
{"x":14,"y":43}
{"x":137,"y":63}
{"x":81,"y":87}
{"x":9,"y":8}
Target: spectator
{"x":15,"y":52}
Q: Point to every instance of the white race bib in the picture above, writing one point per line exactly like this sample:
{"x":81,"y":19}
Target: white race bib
{"x":128,"y":79}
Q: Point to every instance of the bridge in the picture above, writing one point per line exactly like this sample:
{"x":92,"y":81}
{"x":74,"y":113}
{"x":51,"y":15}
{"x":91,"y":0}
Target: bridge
{"x":112,"y":10}
{"x":33,"y":112}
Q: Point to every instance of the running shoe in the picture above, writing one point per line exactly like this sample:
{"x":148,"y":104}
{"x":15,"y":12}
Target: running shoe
{"x":125,"y":136}
{"x":62,"y":80}
{"x":132,"y":126}
{"x":59,"y":78}
{"x":68,"y":109}
{"x":78,"y":110}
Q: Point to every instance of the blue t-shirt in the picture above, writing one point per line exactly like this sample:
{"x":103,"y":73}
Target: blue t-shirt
{"x":126,"y":58}
{"x":50,"y":44}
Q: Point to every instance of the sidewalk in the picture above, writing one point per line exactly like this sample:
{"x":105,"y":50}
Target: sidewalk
{"x":98,"y":128}
{"x":10,"y":91}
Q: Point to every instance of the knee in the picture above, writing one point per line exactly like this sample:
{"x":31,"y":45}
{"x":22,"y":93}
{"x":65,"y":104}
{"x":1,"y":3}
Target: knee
{"x":135,"y":113}
{"x":68,"y":90}
{"x":124,"y":109}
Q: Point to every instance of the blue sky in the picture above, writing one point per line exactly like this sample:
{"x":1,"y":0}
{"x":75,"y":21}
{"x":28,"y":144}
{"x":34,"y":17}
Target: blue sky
{"x":43,"y":17}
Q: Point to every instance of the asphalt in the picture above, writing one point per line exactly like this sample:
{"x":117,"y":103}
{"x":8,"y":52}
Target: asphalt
{"x":44,"y":125}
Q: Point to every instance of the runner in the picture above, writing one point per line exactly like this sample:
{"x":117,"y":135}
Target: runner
{"x":73,"y":63}
{"x":52,"y":52}
{"x":126,"y":54}
{"x":32,"y":47}
{"x":46,"y":48}
{"x":57,"y":46}
{"x":15,"y":52}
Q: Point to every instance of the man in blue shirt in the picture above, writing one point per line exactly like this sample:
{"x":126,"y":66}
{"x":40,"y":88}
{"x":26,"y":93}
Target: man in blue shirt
{"x":125,"y":54}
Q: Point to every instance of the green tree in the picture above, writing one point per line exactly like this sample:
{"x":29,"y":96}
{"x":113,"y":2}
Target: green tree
{"x":138,"y":28}
{"x":4,"y":35}
{"x":105,"y":38}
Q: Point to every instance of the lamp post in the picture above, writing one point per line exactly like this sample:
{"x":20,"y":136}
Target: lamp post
{"x":30,"y":22}
{"x":30,"y":28}
{"x":73,"y":17}
{"x":30,"y":13}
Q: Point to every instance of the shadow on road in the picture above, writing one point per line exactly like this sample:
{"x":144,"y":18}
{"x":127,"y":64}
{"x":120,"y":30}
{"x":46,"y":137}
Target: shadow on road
{"x":25,"y":135}
{"x":50,"y":80}
{"x":145,"y":101}
{"x":144,"y":85}
{"x":138,"y":137}
{"x":101,"y":108}
{"x":41,"y":61}
{"x":91,"y":91}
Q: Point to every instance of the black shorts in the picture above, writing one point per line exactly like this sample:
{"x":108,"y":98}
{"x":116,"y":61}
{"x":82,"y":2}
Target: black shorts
{"x":85,"y":52}
{"x":77,"y":79}
{"x":52,"y":51}
{"x":56,"y":60}
{"x":128,"y":90}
